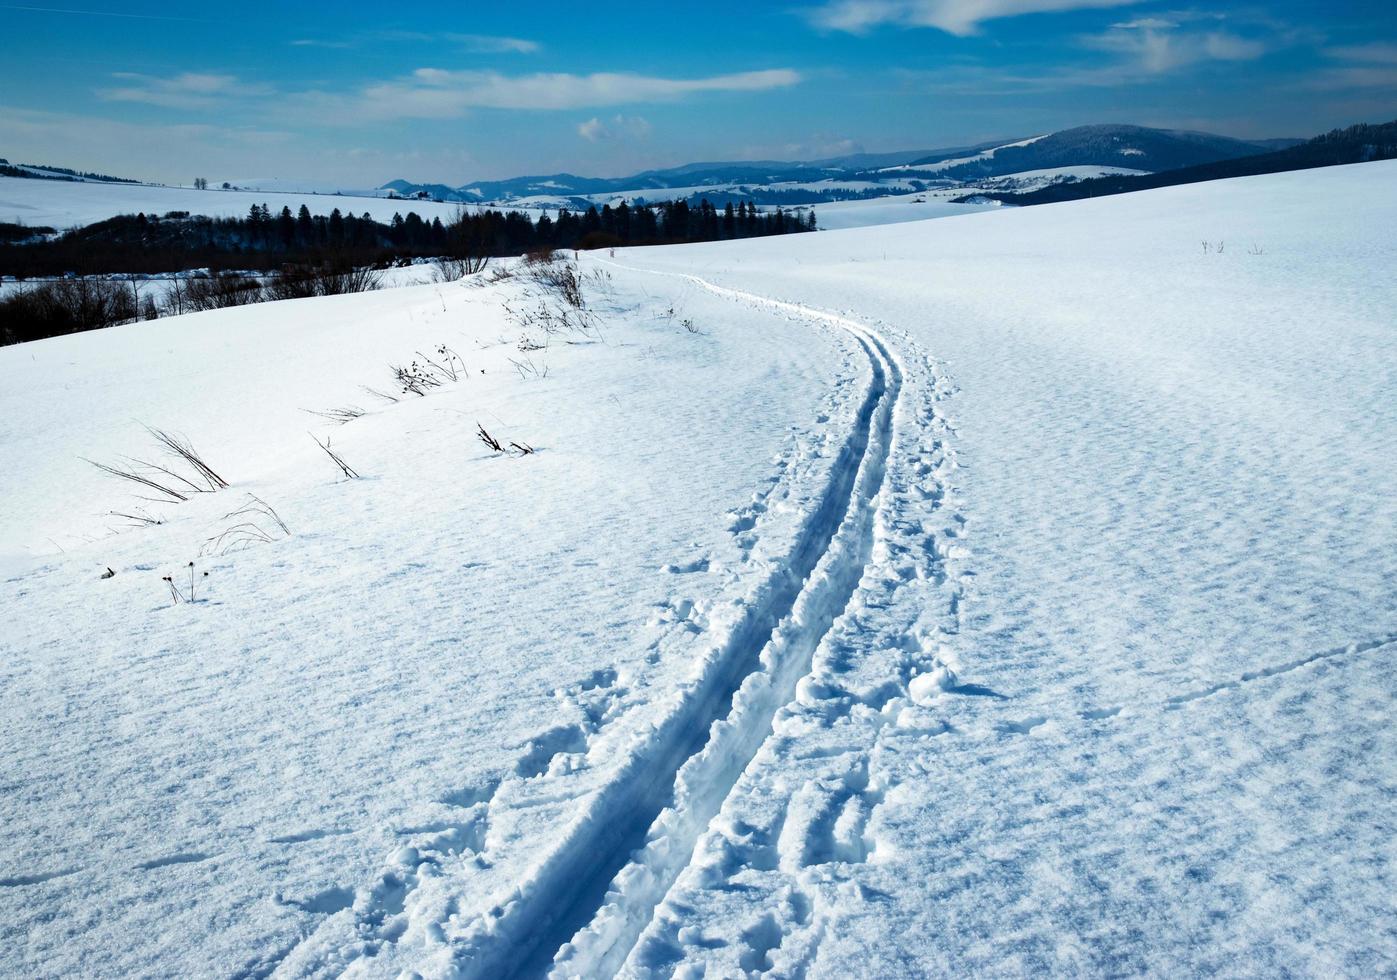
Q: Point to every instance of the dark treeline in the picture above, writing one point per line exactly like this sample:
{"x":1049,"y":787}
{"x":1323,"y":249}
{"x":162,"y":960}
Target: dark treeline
{"x":267,"y":240}
{"x":57,"y":173}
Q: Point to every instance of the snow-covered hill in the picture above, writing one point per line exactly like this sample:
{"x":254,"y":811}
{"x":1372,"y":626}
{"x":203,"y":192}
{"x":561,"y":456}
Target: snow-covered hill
{"x":1007,"y":594}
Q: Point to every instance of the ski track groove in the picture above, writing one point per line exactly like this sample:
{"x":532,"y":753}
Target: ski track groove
{"x":709,"y":775}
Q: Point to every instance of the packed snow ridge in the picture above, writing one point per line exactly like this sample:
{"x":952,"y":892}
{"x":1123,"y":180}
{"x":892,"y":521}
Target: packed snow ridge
{"x":1010,"y":594}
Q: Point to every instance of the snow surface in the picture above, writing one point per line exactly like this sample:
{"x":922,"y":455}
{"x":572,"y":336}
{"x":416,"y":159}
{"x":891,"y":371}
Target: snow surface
{"x":1002,"y":595}
{"x":894,"y":210}
{"x":69,"y":204}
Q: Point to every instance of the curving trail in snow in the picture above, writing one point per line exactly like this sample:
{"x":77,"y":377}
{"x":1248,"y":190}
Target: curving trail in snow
{"x":845,"y":528}
{"x":642,"y":826}
{"x":586,"y":900}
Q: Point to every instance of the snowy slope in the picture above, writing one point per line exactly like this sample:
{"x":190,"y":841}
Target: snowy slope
{"x":1114,"y":699}
{"x":1005,"y":594}
{"x":953,"y":162}
{"x":895,"y":210}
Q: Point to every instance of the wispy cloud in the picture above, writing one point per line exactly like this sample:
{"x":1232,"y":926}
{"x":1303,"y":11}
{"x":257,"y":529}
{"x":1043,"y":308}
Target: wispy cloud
{"x":1365,"y":66}
{"x":597,"y":130}
{"x":435,"y":93}
{"x":959,"y":17}
{"x":491,"y":44}
{"x":471,"y":43}
{"x":104,"y":13}
{"x":313,"y":42}
{"x":1141,"y":51}
{"x":188,"y":90}
{"x":1156,"y":45}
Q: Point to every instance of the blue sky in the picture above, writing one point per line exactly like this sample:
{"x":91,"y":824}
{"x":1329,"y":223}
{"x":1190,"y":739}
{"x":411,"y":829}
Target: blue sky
{"x":359,"y":93}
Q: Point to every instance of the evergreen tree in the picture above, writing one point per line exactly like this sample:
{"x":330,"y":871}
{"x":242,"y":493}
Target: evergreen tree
{"x":286,"y":228}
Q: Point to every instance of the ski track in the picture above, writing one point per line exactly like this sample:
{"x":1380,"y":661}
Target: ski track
{"x":714,"y":725}
{"x":704,"y":781}
{"x":811,"y":653}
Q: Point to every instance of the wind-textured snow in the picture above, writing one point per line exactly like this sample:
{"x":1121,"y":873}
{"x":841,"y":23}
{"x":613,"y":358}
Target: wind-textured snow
{"x":1001,"y":595}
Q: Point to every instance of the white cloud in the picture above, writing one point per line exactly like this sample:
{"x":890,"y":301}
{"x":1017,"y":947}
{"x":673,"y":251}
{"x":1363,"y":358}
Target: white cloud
{"x":959,"y":17}
{"x":434,"y":93}
{"x":490,"y":44}
{"x":311,"y":42}
{"x":595,"y":130}
{"x":189,"y":90}
{"x":1159,"y":46}
{"x":474,"y":43}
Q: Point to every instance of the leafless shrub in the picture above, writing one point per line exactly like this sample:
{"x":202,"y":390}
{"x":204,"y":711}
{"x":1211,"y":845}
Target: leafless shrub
{"x":176,"y":594}
{"x":353,"y":280}
{"x":448,"y":364}
{"x":495,"y":446}
{"x":171,"y":484}
{"x":63,"y":307}
{"x":216,"y":292}
{"x":419,"y":377}
{"x":490,"y":441}
{"x":141,"y":518}
{"x":528,"y":369}
{"x":601,"y":279}
{"x":291,"y":283}
{"x":415,"y":378}
{"x":180,"y":447}
{"x":501,"y":274}
{"x":249,"y":529}
{"x":552,"y":320}
{"x":338,"y":415}
{"x":560,"y":278}
{"x":378,"y":394}
{"x":543,"y":255}
{"x":345,"y":468}
{"x":129,"y":470}
{"x":452,"y":269}
{"x":260,"y":506}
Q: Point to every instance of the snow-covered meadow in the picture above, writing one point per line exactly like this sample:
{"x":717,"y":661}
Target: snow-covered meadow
{"x":1006,"y":594}
{"x":69,"y":204}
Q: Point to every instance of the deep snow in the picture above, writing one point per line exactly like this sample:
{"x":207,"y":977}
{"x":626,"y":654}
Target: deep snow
{"x":1006,"y":594}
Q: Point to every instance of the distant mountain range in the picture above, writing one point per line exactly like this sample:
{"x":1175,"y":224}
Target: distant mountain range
{"x":1356,"y":144}
{"x":1135,"y":148}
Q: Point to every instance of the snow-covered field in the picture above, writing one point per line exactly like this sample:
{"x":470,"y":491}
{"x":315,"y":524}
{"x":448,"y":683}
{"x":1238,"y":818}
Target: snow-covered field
{"x":840,"y":215}
{"x":1001,"y":595}
{"x":69,"y":204}
{"x":66,"y":204}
